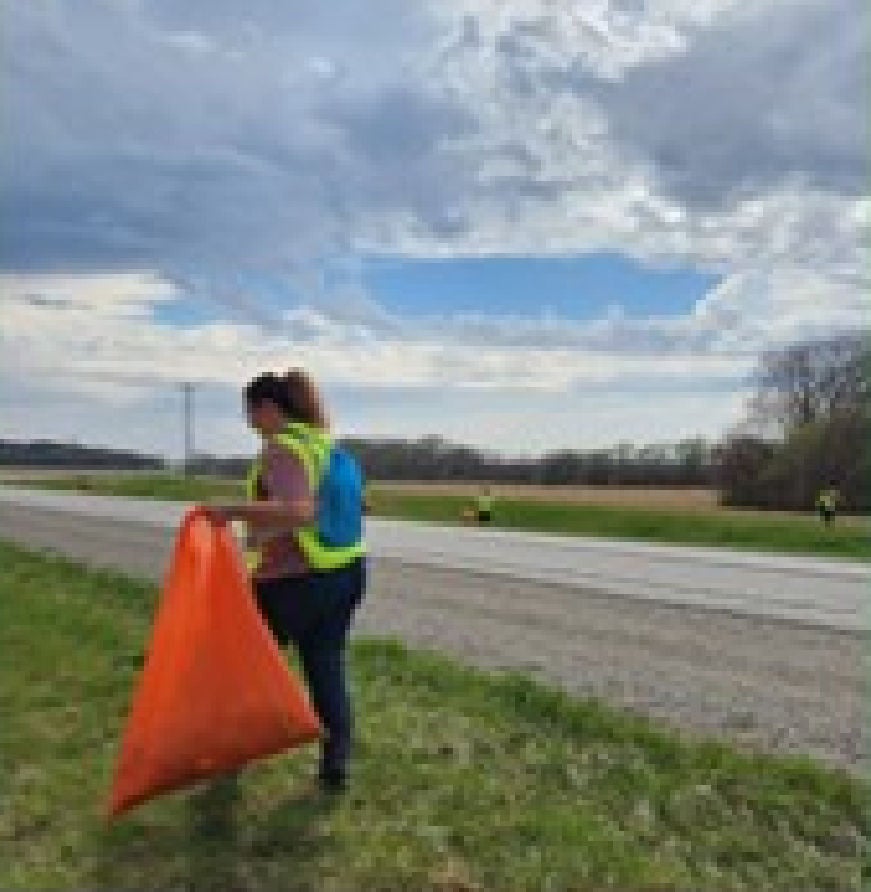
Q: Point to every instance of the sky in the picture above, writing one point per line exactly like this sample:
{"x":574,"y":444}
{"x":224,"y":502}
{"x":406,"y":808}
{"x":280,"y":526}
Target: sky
{"x":519,"y":224}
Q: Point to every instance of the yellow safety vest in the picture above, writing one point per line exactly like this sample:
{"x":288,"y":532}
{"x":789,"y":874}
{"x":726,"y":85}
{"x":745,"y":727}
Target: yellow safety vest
{"x":311,"y":447}
{"x":827,"y":499}
{"x":484,"y":503}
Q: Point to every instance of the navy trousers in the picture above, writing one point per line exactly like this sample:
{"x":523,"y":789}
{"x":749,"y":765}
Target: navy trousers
{"x":314,"y":612}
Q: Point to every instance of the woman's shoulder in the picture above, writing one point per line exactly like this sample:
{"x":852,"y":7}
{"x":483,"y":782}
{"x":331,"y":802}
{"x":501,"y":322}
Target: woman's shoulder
{"x":277,"y":454}
{"x":285,"y":474}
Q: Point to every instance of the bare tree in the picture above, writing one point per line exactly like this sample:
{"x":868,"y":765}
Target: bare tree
{"x":807,"y":428}
{"x":810,"y":381}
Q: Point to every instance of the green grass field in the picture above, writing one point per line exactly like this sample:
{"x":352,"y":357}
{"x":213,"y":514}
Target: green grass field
{"x":766,"y":533}
{"x":465,"y":780}
{"x":172,"y":487}
{"x":763,"y":532}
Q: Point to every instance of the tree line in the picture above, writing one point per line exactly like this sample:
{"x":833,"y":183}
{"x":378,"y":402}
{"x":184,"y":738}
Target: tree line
{"x":49,"y":454}
{"x":683,"y":464}
{"x":806,"y":428}
{"x":431,"y":458}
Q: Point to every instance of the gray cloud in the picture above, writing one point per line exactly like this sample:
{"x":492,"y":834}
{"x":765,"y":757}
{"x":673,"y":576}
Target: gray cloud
{"x":163,"y":135}
{"x":206,"y":136}
{"x":230,"y":147}
{"x":395,"y":155}
{"x":766,"y":95}
{"x":207,"y":142}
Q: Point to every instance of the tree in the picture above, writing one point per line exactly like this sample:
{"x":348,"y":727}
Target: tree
{"x":806,"y":382}
{"x":741,"y":462}
{"x":807,"y":429}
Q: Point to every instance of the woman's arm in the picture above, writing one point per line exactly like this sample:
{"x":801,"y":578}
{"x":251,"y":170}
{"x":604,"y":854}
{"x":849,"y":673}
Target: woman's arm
{"x":289,"y":501}
{"x":275,"y":514}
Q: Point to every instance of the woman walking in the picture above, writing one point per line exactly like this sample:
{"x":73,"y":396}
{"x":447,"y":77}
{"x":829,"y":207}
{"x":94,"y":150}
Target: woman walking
{"x":305,"y":549}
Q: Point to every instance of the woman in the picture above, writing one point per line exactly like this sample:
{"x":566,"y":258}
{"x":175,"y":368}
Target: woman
{"x":301,"y":602}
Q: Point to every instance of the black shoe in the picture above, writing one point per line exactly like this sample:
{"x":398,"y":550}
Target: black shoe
{"x":333,"y":781}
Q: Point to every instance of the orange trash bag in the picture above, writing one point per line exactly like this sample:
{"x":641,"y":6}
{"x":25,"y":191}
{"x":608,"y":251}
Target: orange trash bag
{"x":215,"y":691}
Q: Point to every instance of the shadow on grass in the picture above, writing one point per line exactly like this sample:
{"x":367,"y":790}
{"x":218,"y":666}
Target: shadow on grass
{"x":231,"y":851}
{"x":212,"y":842}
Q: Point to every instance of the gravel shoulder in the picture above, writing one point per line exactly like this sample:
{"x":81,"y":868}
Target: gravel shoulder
{"x":761,"y":683}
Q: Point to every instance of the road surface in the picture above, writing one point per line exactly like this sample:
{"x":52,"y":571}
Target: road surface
{"x":764,"y":649}
{"x":799,"y":589}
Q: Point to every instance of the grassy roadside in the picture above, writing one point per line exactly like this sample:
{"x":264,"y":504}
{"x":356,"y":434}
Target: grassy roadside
{"x":757,"y":532}
{"x":171,"y":487}
{"x":762,"y":532}
{"x":466,"y":780}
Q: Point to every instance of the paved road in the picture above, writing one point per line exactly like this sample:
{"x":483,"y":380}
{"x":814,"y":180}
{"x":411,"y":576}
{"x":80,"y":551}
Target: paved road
{"x":785,"y":682}
{"x":798,"y":589}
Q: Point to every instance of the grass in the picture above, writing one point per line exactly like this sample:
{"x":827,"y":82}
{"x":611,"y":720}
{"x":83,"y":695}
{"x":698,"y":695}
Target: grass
{"x":762,"y":532}
{"x":171,"y":487}
{"x":465,"y":780}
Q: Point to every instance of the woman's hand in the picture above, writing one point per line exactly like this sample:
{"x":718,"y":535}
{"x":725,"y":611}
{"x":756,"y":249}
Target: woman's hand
{"x":216,"y":514}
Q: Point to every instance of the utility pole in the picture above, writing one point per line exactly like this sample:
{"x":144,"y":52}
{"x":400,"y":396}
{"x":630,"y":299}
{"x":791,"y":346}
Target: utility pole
{"x":187,"y":389}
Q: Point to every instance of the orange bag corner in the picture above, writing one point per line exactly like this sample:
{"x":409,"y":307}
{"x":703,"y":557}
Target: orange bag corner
{"x":215,"y":691}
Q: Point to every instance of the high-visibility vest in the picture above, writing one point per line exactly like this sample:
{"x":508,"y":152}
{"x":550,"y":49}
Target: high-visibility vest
{"x":312,"y":447}
{"x":828,"y":499}
{"x":484,"y":504}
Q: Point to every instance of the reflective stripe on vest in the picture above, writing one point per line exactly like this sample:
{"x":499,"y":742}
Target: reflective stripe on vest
{"x":312,"y":448}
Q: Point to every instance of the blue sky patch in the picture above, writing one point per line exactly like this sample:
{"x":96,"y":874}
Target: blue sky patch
{"x":572,"y":288}
{"x":186,"y":312}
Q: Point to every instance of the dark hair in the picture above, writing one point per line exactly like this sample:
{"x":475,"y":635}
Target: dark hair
{"x":294,"y":393}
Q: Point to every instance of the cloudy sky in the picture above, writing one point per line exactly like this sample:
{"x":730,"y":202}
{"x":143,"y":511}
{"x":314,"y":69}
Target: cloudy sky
{"x":524,"y":224}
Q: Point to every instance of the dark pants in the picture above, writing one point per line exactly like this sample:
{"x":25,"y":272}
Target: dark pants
{"x":314,"y":613}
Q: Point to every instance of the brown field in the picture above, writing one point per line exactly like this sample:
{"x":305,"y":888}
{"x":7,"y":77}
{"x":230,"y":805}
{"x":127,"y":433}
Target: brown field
{"x":670,"y":499}
{"x":634,"y":496}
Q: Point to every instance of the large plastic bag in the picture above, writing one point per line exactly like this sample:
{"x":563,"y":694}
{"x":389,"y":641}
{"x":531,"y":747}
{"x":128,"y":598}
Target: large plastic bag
{"x":215,"y":691}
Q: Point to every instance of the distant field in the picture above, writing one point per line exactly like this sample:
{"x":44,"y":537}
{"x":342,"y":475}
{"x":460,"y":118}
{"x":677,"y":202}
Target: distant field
{"x":541,"y":509}
{"x":23,"y":472}
{"x":465,"y":780}
{"x":690,"y":499}
{"x":758,"y":531}
{"x":136,"y":484}
{"x":639,"y":496}
{"x":674,"y":498}
{"x":636,"y":496}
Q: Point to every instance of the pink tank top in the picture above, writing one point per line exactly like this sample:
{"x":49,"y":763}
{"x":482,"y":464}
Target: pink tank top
{"x":283,"y":478}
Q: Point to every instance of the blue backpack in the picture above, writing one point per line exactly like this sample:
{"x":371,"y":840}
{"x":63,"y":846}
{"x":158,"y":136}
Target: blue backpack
{"x":340,"y":500}
{"x":335,"y":539}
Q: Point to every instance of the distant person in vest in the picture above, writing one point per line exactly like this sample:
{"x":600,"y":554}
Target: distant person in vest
{"x":305,"y":547}
{"x":827,"y":504}
{"x":484,"y":506}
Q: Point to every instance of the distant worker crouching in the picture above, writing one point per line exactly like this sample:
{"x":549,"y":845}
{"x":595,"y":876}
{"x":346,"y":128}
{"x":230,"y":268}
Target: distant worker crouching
{"x":484,"y":504}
